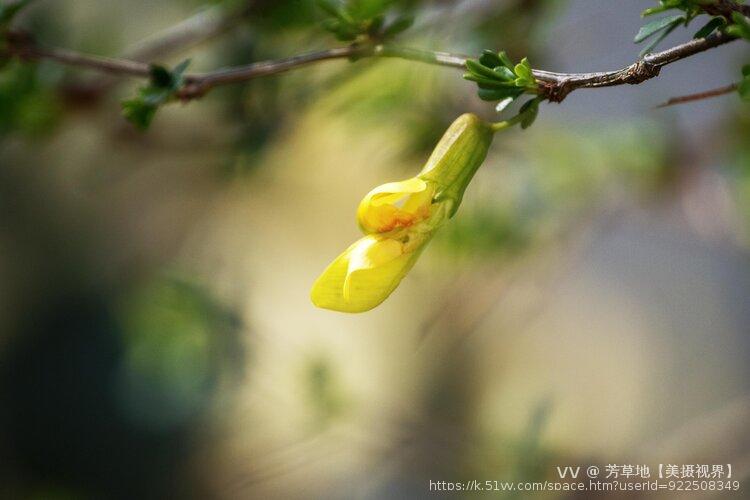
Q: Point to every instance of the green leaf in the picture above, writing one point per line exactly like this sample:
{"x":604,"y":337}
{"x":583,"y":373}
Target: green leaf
{"x":363,"y":10}
{"x":331,"y":24}
{"x":523,"y":83}
{"x":505,"y":59}
{"x":658,"y":25}
{"x":345,"y":36}
{"x":341,"y":24}
{"x":141,"y":109}
{"x":653,"y":43}
{"x":138,"y":112}
{"x":160,"y":76}
{"x":710,"y":27}
{"x":497,"y":77}
{"x":529,"y":112}
{"x":504,"y":73}
{"x":523,"y":70}
{"x":480,"y":70}
{"x":340,"y":29}
{"x":744,"y":89}
{"x":489,"y":59}
{"x":740,"y":19}
{"x":491,"y":94}
{"x":375,"y":25}
{"x":654,"y":10}
{"x":741,"y":26}
{"x":525,"y":75}
{"x":179,"y":70}
{"x":486,"y":82}
{"x":690,"y":7}
{"x":29,"y":103}
{"x":500,"y":85}
{"x":498,"y":94}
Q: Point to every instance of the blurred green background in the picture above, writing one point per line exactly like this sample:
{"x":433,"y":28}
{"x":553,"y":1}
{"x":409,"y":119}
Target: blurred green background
{"x":590,"y":303}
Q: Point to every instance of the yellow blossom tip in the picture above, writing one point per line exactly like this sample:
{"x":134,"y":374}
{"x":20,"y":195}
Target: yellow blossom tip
{"x":364,"y":275}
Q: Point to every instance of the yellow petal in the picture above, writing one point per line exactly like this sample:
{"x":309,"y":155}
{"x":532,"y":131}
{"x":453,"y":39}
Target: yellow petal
{"x":380,"y":212}
{"x":364,"y":275}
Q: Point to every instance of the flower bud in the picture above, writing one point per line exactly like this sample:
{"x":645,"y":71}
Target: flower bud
{"x":400,"y":218}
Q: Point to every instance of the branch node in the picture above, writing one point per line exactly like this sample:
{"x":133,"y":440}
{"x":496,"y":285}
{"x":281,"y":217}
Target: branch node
{"x":641,"y":71}
{"x":555,"y":91}
{"x":193,"y":90}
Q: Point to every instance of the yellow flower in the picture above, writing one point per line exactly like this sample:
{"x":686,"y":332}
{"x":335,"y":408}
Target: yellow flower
{"x":395,"y":205}
{"x":400,"y":218}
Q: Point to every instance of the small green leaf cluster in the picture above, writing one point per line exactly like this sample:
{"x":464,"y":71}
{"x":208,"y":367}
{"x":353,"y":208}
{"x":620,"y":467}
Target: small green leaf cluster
{"x":499,"y":79}
{"x":359,"y":20}
{"x":162,"y":88}
{"x":659,"y":29}
{"x":736,"y":25}
{"x":739,"y":27}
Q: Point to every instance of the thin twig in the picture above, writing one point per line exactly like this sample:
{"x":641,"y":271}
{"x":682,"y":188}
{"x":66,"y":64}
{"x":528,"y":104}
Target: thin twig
{"x":23,"y":47}
{"x":553,"y":86}
{"x":556,"y":86}
{"x":707,"y":94}
{"x":198,"y":84}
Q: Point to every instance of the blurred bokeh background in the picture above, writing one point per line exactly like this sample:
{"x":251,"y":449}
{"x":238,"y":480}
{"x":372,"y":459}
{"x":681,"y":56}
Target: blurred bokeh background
{"x":590,"y":303}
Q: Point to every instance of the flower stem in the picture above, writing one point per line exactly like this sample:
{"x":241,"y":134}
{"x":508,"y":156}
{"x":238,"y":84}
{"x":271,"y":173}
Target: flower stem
{"x":497,"y":126}
{"x":530,"y":108}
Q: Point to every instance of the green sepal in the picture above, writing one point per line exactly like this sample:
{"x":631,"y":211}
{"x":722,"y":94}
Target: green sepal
{"x":456,"y":158}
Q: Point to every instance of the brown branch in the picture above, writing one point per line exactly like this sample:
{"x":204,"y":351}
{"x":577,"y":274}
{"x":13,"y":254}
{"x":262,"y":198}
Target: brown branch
{"x":198,"y":84}
{"x":22,"y":45}
{"x":552,"y":86}
{"x":707,"y":94}
{"x":556,"y":86}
